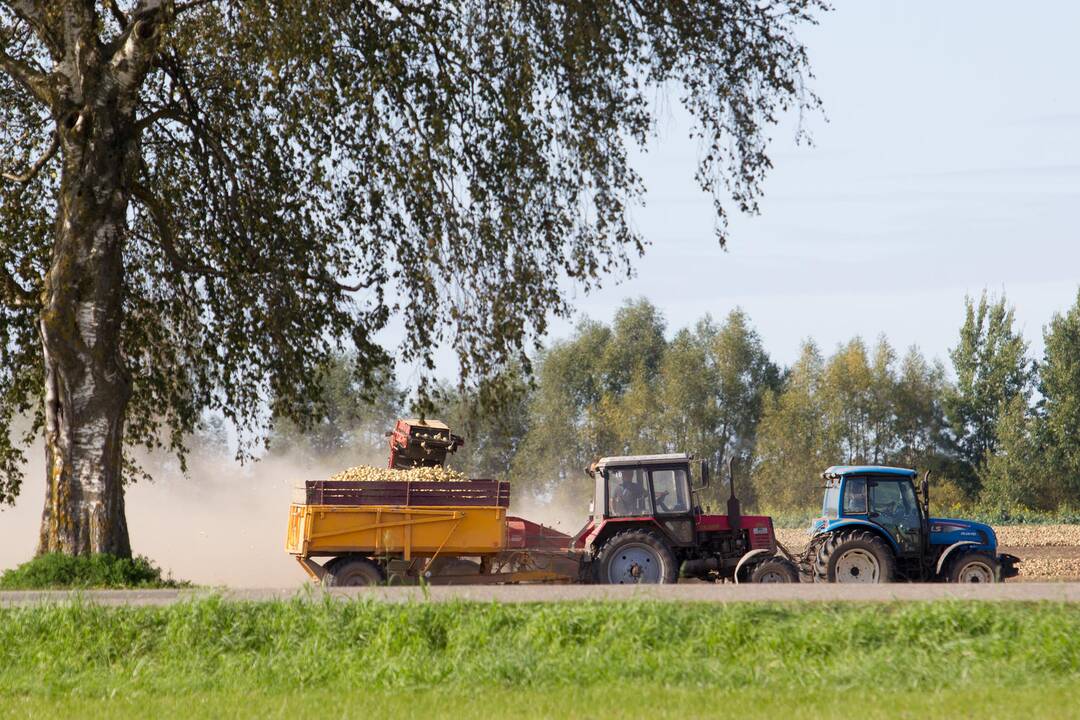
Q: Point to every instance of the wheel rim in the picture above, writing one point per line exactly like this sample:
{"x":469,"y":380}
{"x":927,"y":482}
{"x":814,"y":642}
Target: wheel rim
{"x":857,"y":566}
{"x":976,"y":572}
{"x":634,"y":564}
{"x":773,"y":576}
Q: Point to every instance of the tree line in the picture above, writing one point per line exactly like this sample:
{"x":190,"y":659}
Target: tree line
{"x":997,"y":427}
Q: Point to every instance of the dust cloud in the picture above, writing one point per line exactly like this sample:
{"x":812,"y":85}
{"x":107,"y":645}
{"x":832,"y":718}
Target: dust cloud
{"x":562,"y":513}
{"x":224,"y":523}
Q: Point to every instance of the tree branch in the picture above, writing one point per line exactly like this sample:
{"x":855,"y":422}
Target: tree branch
{"x":184,"y":7}
{"x":30,"y":174}
{"x":35,"y":81}
{"x":14,"y":293}
{"x":32,"y":13}
{"x":137,"y":46}
{"x":117,"y":13}
{"x":182,"y":264}
{"x":165,"y":236}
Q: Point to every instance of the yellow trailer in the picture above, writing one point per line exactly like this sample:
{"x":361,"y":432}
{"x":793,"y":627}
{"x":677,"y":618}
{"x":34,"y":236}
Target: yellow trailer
{"x":374,"y":531}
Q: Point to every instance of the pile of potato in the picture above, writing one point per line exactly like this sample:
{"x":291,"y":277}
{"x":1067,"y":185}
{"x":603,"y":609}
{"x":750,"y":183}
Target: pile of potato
{"x":367,"y":473}
{"x":1038,"y":535}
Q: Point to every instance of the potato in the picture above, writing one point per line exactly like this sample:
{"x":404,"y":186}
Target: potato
{"x":368,"y":473}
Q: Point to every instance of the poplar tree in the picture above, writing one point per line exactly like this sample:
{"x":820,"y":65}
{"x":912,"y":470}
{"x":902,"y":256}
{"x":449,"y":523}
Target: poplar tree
{"x":991,"y":366}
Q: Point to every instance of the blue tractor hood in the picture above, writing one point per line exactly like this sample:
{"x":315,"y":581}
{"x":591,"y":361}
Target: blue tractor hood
{"x":946,"y":531}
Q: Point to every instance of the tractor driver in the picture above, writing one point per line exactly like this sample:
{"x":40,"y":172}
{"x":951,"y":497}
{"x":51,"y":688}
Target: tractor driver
{"x":628,"y":495}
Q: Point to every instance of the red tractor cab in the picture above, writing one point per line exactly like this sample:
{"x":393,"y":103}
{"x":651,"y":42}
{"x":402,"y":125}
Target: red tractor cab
{"x":646,"y":525}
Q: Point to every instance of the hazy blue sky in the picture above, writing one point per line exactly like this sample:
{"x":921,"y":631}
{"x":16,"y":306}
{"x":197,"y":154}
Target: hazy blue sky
{"x":950,"y":162}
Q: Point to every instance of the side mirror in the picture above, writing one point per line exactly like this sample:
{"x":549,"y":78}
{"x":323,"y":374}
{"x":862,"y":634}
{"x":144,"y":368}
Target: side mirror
{"x":704,"y":473}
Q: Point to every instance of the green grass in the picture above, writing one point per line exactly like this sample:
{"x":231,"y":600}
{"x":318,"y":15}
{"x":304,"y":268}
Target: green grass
{"x":612,"y":701}
{"x":57,"y":571}
{"x":215,"y":658}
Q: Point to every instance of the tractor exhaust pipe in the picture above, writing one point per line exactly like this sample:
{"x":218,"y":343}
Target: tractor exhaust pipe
{"x":733,"y":510}
{"x":925,"y":487}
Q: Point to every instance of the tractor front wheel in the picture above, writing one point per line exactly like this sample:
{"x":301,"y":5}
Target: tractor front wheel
{"x":636,"y":557}
{"x":856,"y":556}
{"x":974,"y":567}
{"x":775,"y":570}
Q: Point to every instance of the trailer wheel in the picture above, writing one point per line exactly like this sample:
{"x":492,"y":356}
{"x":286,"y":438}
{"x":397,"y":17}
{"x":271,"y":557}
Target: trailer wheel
{"x":774,"y":570}
{"x":636,"y":557}
{"x":974,"y":567}
{"x":352,"y":572}
{"x":854,"y":556}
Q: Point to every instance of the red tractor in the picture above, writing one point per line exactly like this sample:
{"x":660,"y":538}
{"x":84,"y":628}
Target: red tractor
{"x":646,"y":525}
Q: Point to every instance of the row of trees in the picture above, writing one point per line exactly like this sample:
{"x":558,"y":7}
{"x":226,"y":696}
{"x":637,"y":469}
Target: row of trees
{"x":998,"y":428}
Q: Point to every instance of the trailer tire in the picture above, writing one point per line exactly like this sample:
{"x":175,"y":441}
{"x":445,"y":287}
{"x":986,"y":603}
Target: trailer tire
{"x":774,"y":570}
{"x":854,"y":556}
{"x":353,"y":572}
{"x":635,"y":556}
{"x":974,"y":567}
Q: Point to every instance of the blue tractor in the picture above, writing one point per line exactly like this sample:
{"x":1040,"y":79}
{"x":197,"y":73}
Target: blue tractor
{"x":874,"y":529}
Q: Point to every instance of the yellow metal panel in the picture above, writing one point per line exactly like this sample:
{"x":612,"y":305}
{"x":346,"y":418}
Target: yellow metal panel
{"x":391,"y":530}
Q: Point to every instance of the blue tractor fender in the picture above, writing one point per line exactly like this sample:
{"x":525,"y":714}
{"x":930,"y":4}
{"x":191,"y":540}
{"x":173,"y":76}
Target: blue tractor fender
{"x":876,"y":529}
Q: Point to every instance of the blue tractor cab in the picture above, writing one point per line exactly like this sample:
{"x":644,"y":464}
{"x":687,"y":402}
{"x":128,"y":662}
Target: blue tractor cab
{"x":876,"y":527}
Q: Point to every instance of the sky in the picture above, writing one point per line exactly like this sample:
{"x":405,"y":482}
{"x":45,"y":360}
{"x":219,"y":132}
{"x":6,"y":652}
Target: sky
{"x":947,"y":161}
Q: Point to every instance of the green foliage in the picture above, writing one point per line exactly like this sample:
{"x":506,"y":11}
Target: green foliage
{"x":1014,"y":475}
{"x":59,"y":571}
{"x":493,"y":420}
{"x":991,"y":368}
{"x":791,"y":450}
{"x":626,"y":389}
{"x":280,"y":647}
{"x":345,"y":421}
{"x":1059,"y":376}
{"x":848,"y":409}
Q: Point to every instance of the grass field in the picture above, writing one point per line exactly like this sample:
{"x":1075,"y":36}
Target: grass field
{"x":361,"y":659}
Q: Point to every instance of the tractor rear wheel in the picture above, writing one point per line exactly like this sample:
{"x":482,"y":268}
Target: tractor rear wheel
{"x":352,"y":572}
{"x":855,"y":556}
{"x":636,"y":556}
{"x":775,"y":570}
{"x":974,"y":567}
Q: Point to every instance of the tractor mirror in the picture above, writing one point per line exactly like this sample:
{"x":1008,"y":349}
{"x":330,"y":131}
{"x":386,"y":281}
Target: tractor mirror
{"x":704,"y":473}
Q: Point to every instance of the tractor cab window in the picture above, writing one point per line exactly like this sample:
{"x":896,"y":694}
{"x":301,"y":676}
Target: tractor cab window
{"x":894,"y":503}
{"x":670,"y":494}
{"x":628,"y":495}
{"x":855,"y":496}
{"x":831,"y":503}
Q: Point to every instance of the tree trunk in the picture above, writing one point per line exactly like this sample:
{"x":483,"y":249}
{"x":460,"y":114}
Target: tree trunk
{"x":86,"y":384}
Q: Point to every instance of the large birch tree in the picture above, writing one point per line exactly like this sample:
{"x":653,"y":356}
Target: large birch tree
{"x":201,"y":199}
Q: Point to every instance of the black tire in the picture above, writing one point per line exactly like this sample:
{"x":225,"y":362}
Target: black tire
{"x":352,"y":572}
{"x":854,"y":556}
{"x":650,"y":553}
{"x":974,"y":567}
{"x":774,"y":570}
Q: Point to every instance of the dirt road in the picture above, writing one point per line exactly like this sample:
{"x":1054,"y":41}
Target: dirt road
{"x":1058,"y":592}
